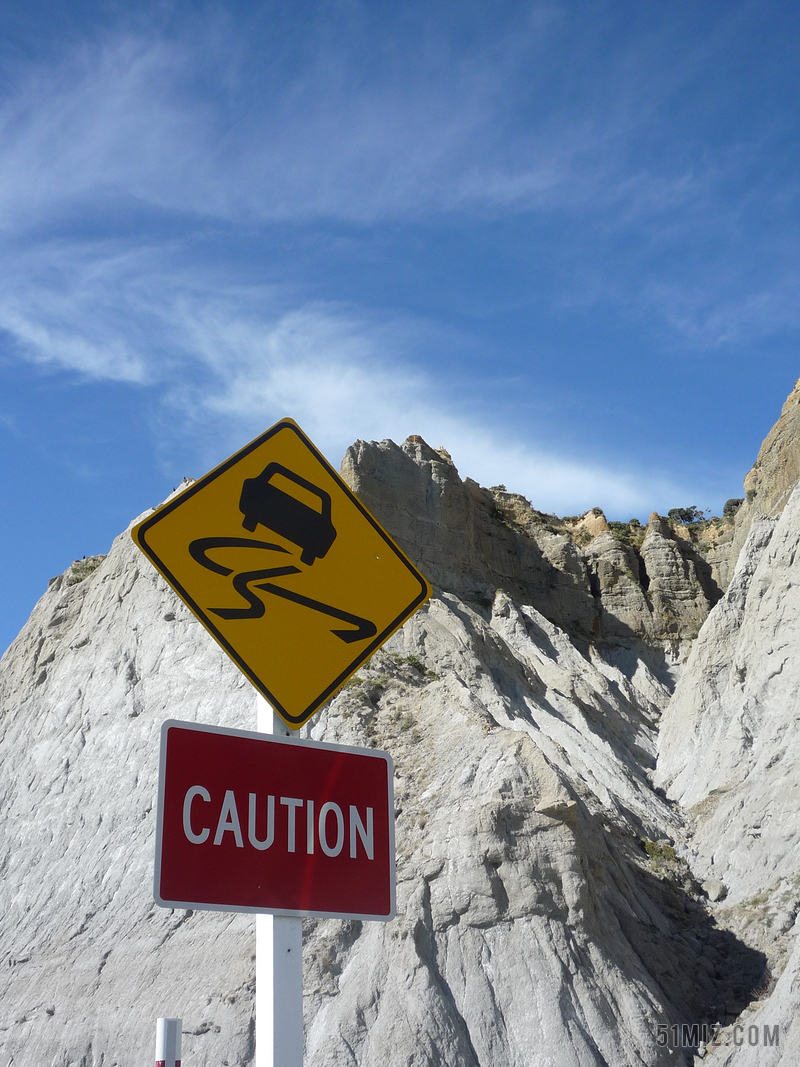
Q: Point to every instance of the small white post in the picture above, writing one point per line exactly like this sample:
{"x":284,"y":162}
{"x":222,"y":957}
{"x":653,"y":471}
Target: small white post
{"x":168,"y":1043}
{"x":279,"y":961}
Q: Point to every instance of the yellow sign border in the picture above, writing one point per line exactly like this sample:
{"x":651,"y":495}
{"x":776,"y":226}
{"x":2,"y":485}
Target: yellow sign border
{"x":139,"y":535}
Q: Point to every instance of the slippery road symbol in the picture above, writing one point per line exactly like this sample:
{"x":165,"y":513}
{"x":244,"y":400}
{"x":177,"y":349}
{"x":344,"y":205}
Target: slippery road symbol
{"x":265,"y":503}
{"x":295,"y":551}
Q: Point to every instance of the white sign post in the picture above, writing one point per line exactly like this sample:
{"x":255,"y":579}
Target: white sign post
{"x":168,"y":1043}
{"x":279,"y":960}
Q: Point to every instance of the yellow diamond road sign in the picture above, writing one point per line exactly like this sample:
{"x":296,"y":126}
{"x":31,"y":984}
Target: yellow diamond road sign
{"x":285,"y":568}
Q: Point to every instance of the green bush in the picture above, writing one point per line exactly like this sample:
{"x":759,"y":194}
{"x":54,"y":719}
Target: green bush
{"x":413,"y":661}
{"x":82,"y":568}
{"x":731,"y":506}
{"x":685,"y":515}
{"x":659,"y":852}
{"x":629,"y":533}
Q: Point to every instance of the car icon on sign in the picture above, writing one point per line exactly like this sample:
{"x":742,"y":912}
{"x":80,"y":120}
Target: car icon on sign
{"x":264,"y":502}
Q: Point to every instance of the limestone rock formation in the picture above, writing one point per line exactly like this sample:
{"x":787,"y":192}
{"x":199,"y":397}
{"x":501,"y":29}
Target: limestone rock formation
{"x":88,"y":960}
{"x":771,"y":480}
{"x":680,"y":587}
{"x":470,"y":540}
{"x":564,"y":890}
{"x":728,"y":756}
{"x":523,"y":791}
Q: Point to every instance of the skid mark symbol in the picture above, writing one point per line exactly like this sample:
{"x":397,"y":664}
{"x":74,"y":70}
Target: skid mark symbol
{"x":198,"y":550}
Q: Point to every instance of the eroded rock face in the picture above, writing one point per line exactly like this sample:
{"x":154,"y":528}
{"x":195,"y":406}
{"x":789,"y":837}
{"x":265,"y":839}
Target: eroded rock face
{"x":728,"y":756}
{"x":88,"y":961}
{"x":452,"y":530}
{"x":532,"y":925}
{"x":726,"y":747}
{"x":771,"y":480}
{"x":680,"y":588}
{"x":472,"y":541}
{"x":525,"y":894}
{"x":543,"y":913}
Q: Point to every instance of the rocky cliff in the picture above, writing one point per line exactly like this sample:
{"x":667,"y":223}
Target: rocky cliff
{"x":772,"y":478}
{"x":727,"y":745}
{"x":550,"y":858}
{"x":626,"y":586}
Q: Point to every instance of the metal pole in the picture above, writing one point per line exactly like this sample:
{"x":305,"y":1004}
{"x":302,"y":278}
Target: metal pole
{"x":279,"y":961}
{"x":168,"y":1043}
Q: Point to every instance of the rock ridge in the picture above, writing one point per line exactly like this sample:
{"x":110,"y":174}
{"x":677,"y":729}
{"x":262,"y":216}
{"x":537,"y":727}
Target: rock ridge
{"x":596,"y":586}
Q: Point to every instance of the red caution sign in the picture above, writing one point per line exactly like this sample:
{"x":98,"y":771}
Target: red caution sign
{"x":248,"y":822}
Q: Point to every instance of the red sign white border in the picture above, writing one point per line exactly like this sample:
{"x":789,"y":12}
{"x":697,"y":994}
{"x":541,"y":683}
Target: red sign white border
{"x":289,"y":741}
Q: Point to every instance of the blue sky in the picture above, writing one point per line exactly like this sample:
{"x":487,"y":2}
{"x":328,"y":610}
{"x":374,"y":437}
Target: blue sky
{"x":559,"y":239}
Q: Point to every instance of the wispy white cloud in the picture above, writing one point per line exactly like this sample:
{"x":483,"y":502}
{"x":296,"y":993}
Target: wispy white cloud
{"x":80,"y":307}
{"x":189,"y":128}
{"x":714,"y":316}
{"x":335,"y":376}
{"x":226,"y":364}
{"x":335,"y":135}
{"x":105,"y":122}
{"x":184,"y":130}
{"x":51,"y":342}
{"x":10,"y":423}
